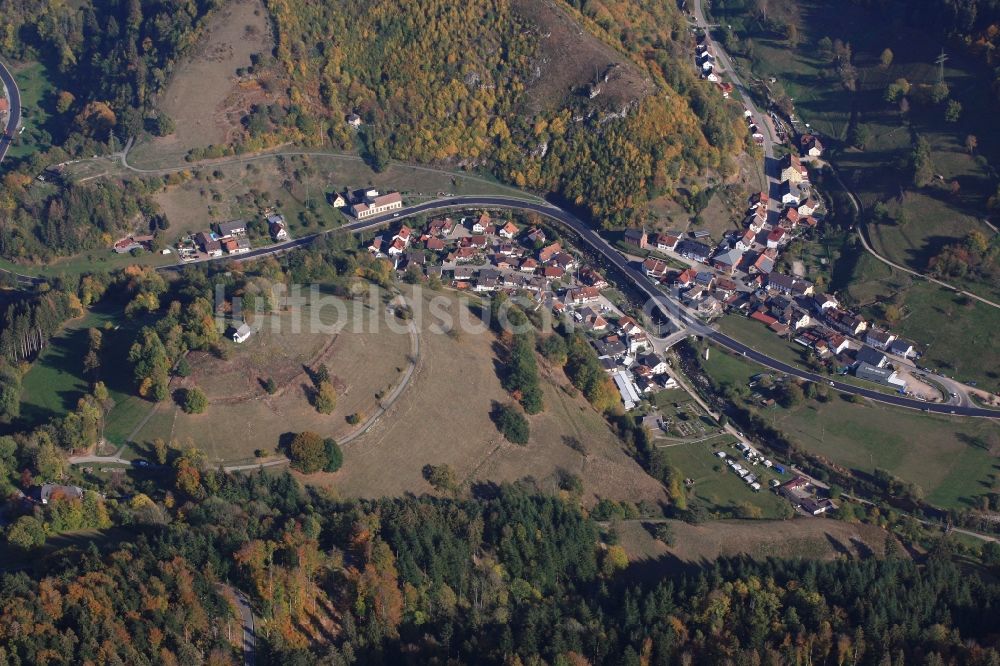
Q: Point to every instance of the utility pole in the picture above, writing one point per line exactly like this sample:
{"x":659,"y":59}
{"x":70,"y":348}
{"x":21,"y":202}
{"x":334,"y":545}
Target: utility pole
{"x":941,"y":59}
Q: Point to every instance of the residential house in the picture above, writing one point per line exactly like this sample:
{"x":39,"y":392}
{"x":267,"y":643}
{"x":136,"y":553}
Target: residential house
{"x":789,"y":219}
{"x":404,"y":234}
{"x":337,"y":200}
{"x":549,"y":251}
{"x":872,"y":357}
{"x":728,"y":260}
{"x":746,"y":241}
{"x":763,"y":264}
{"x":552,"y":272}
{"x":582,"y":295}
{"x":878,"y":338}
{"x":535,"y":236}
{"x":231,"y":228}
{"x":791,"y":193}
{"x":836,"y":342}
{"x":375,"y":247}
{"x":844,"y":321}
{"x":704,"y":279}
{"x":810,"y":145}
{"x":665,"y":242}
{"x":396,"y":247}
{"x":501,"y":262}
{"x":440,"y":227}
{"x":464,"y":272}
{"x":434,"y":244}
{"x":694,"y":250}
{"x":242,"y":333}
{"x":591,"y":277}
{"x":685,"y":278}
{"x":655,"y":268}
{"x":901,"y":347}
{"x":564,"y":261}
{"x":593,"y":320}
{"x":610,"y":347}
{"x":824,"y":302}
{"x":709,"y":306}
{"x":759,"y":200}
{"x":758,"y":220}
{"x":656,"y":365}
{"x":807,"y":206}
{"x":236,"y":245}
{"x":462,"y":254}
{"x":636,"y":238}
{"x":276,"y":225}
{"x":789,"y":285}
{"x":792,"y":169}
{"x":529,"y":265}
{"x":354,"y":120}
{"x":375,"y":204}
{"x":478,"y":242}
{"x":776,"y":238}
{"x":480,"y":224}
{"x":209,"y":245}
{"x":51,"y":491}
{"x":507,"y":231}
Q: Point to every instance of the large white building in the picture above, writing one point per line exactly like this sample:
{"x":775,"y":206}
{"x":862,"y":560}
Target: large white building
{"x":376,"y":204}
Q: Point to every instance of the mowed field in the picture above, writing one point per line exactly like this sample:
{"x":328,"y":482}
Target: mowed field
{"x":443,"y":418}
{"x":364,"y":362}
{"x":812,"y":538}
{"x":951,"y":459}
{"x":204,"y":97}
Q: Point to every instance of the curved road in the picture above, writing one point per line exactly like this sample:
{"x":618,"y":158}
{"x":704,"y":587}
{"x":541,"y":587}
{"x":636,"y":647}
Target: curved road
{"x":14,"y":115}
{"x":666,"y":305}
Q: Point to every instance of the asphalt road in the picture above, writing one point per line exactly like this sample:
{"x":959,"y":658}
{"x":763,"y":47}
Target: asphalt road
{"x":666,"y":305}
{"x":14,"y":116}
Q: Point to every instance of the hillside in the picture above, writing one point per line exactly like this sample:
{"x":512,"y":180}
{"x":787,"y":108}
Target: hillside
{"x":505,"y":87}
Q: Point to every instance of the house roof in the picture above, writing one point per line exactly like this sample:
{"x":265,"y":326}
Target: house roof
{"x":870,"y":356}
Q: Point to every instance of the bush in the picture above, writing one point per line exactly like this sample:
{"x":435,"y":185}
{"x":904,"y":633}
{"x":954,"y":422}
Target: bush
{"x":354,"y":419}
{"x":325,"y":398}
{"x":195,"y":401}
{"x":334,"y":456}
{"x":307,"y":452}
{"x":512,"y":423}
{"x":441,"y":477}
{"x":183,"y":367}
{"x":270,"y":386}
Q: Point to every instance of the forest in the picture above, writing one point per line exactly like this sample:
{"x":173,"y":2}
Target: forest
{"x":509,"y":576}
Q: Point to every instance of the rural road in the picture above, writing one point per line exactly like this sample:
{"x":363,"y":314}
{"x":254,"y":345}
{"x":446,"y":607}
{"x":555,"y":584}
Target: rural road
{"x":14,"y":115}
{"x":247,"y":621}
{"x":667,"y":306}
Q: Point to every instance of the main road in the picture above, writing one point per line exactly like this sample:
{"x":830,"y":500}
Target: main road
{"x":13,"y":114}
{"x":657,"y":298}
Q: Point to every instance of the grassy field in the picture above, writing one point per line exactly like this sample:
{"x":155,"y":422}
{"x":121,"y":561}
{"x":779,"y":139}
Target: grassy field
{"x":204,"y":97}
{"x":716,"y":486}
{"x":55,"y":382}
{"x":443,"y":418}
{"x":811,"y":538}
{"x":34,"y":81}
{"x":949,"y":458}
{"x":364,"y":363}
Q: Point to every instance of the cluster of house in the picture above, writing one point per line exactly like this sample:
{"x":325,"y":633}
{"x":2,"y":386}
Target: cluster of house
{"x":480,"y":254}
{"x":706,"y":61}
{"x":484,"y":255}
{"x":801,"y":493}
{"x":819,"y":322}
{"x":228,"y":238}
